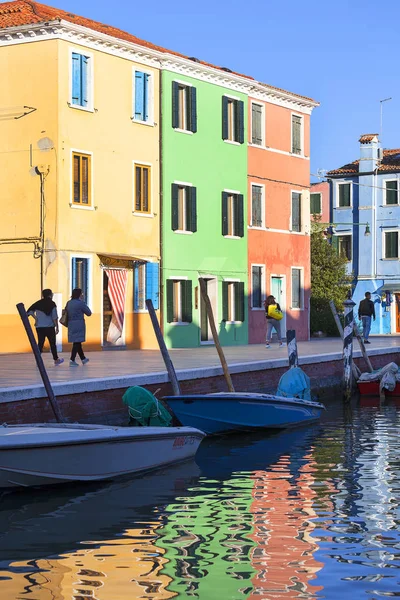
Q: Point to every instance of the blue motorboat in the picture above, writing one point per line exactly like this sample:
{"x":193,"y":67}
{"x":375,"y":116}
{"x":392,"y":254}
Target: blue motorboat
{"x":226,"y":412}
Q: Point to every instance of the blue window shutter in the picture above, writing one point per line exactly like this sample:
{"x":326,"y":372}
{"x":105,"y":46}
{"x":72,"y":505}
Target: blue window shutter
{"x":174,"y":206}
{"x":139,"y":95}
{"x":146,"y":96}
{"x":193,"y":109}
{"x":73,"y":274}
{"x":240,"y":121}
{"x":225,"y":213}
{"x":136,"y":288}
{"x":152,"y":283}
{"x":175,"y":105}
{"x":84,"y":81}
{"x":76,"y":79}
{"x":224,"y":118}
{"x":193,"y":209}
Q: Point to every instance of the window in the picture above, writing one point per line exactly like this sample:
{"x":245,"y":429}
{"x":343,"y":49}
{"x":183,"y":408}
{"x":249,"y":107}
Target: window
{"x":296,"y":212}
{"x":391,"y":192}
{"x":184,"y":107}
{"x":315,"y":204}
{"x":80,"y":275}
{"x":146,"y":285}
{"x":232,"y":120}
{"x":232,"y":214}
{"x":179,"y":301}
{"x":81,"y":168}
{"x":344,"y":195}
{"x":142,"y":94}
{"x":297,"y":292}
{"x":142,"y":189}
{"x":344,"y":246}
{"x":81,"y":74}
{"x":257,"y":286}
{"x":297,"y":134}
{"x":233,"y":301}
{"x":257,"y":193}
{"x":391,"y":244}
{"x":184,"y":208}
{"x":257,"y":124}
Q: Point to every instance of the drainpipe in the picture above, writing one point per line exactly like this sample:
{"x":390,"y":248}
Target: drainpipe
{"x":160,"y":210}
{"x":41,"y":231}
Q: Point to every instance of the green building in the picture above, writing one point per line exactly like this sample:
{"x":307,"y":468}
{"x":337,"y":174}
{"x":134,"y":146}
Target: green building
{"x":204,"y":210}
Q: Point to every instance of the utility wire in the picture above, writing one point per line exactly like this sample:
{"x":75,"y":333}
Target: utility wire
{"x":327,"y":179}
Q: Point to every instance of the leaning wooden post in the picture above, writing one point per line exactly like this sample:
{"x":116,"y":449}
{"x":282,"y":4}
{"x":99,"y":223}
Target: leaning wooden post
{"x":292,"y":348}
{"x":362,"y":347}
{"x":163,"y":348}
{"x":348,"y":348}
{"x":355,"y":369}
{"x":40,"y":363}
{"x":203,"y":290}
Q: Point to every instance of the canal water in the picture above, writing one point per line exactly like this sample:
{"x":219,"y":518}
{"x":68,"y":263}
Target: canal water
{"x":308,"y":513}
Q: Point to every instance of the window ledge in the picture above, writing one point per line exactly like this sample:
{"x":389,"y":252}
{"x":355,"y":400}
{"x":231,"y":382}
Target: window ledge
{"x":389,"y":205}
{"x":187,"y":131}
{"x":296,"y":309}
{"x":178,"y":323}
{"x":233,"y":322}
{"x":258,"y":309}
{"x":137,"y":213}
{"x":80,"y":207}
{"x":232,"y":142}
{"x":182,"y":232}
{"x":89,"y":109}
{"x":343,"y":207}
{"x":391,"y":259}
{"x":147,"y":123}
{"x":232,"y":237}
{"x":257,"y":227}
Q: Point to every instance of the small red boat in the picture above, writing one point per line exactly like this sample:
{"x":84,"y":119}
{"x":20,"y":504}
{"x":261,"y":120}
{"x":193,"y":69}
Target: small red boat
{"x":371,"y":388}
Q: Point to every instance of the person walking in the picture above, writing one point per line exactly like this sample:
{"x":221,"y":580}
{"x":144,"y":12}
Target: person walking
{"x":77,"y":309}
{"x":366,"y":311}
{"x":45,"y":314}
{"x":273,"y":314}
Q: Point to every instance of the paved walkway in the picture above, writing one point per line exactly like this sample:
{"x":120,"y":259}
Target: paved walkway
{"x":19,"y":377}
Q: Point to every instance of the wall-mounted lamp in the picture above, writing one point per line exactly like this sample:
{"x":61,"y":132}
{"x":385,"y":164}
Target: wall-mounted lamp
{"x":331,"y":229}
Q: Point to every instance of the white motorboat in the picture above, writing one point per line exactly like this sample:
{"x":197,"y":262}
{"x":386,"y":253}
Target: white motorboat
{"x":43,"y":454}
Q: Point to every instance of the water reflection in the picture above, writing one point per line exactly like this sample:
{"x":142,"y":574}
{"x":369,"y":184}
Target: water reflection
{"x":311,"y":513}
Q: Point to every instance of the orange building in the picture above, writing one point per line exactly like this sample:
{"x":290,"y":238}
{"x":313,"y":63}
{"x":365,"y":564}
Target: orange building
{"x":279,"y":209}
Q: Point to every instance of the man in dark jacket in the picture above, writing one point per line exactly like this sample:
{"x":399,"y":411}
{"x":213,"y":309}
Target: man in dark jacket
{"x":366,"y":310}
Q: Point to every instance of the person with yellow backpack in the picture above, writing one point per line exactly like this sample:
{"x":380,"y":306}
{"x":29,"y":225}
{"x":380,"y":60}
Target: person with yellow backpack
{"x":273,"y":314}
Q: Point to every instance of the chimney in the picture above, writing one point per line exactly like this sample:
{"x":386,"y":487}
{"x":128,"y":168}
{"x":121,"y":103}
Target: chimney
{"x":370,"y":151}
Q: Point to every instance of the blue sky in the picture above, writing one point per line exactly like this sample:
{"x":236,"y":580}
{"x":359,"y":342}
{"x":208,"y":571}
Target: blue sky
{"x":340,"y":52}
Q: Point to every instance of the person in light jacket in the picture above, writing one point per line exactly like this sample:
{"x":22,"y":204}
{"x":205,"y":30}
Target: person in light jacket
{"x":77,"y":309}
{"x":44,"y":312}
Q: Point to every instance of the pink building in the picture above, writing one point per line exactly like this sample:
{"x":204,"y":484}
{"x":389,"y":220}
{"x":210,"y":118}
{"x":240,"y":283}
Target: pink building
{"x":320,"y":200}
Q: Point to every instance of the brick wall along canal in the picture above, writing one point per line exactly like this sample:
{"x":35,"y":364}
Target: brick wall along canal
{"x":304,"y":513}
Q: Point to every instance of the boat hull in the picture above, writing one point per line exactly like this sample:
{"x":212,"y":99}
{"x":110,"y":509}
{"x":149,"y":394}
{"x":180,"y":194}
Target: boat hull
{"x":224,"y":413}
{"x":371,"y":388}
{"x":43,"y":455}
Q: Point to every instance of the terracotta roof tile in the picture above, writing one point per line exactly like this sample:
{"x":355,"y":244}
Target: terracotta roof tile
{"x":26,"y":12}
{"x":390,"y":163}
{"x":367,"y":137}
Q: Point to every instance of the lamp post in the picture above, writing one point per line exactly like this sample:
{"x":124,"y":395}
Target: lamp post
{"x":331,"y":227}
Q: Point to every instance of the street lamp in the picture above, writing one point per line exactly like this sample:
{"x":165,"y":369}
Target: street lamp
{"x":331,"y":227}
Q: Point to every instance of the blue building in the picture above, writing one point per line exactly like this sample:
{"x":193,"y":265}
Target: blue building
{"x":365,"y":211}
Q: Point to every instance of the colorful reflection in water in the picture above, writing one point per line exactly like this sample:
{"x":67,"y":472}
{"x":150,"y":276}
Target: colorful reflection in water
{"x":302,"y":514}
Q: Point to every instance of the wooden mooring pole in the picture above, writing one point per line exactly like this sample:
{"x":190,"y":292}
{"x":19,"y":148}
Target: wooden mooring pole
{"x":348,"y":348}
{"x":292,"y":348}
{"x":356,"y":371}
{"x":40,"y":363}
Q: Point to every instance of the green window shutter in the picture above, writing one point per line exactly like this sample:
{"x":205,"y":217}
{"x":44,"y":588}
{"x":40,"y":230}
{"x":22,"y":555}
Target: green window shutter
{"x":225,"y":213}
{"x":391,"y":192}
{"x":296,"y":211}
{"x":170,"y":300}
{"x":256,"y":124}
{"x":240,"y":215}
{"x":224,"y":118}
{"x":344,"y":194}
{"x":174,"y":206}
{"x":186,"y":301}
{"x":225,"y":300}
{"x":391,"y":244}
{"x":296,"y":288}
{"x":193,"y":209}
{"x":193,"y":109}
{"x":239,"y":125}
{"x":335,"y":243}
{"x":239,"y":301}
{"x":315,"y":204}
{"x":175,"y":105}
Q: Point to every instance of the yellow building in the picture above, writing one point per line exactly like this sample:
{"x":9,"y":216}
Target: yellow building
{"x":79,"y":171}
